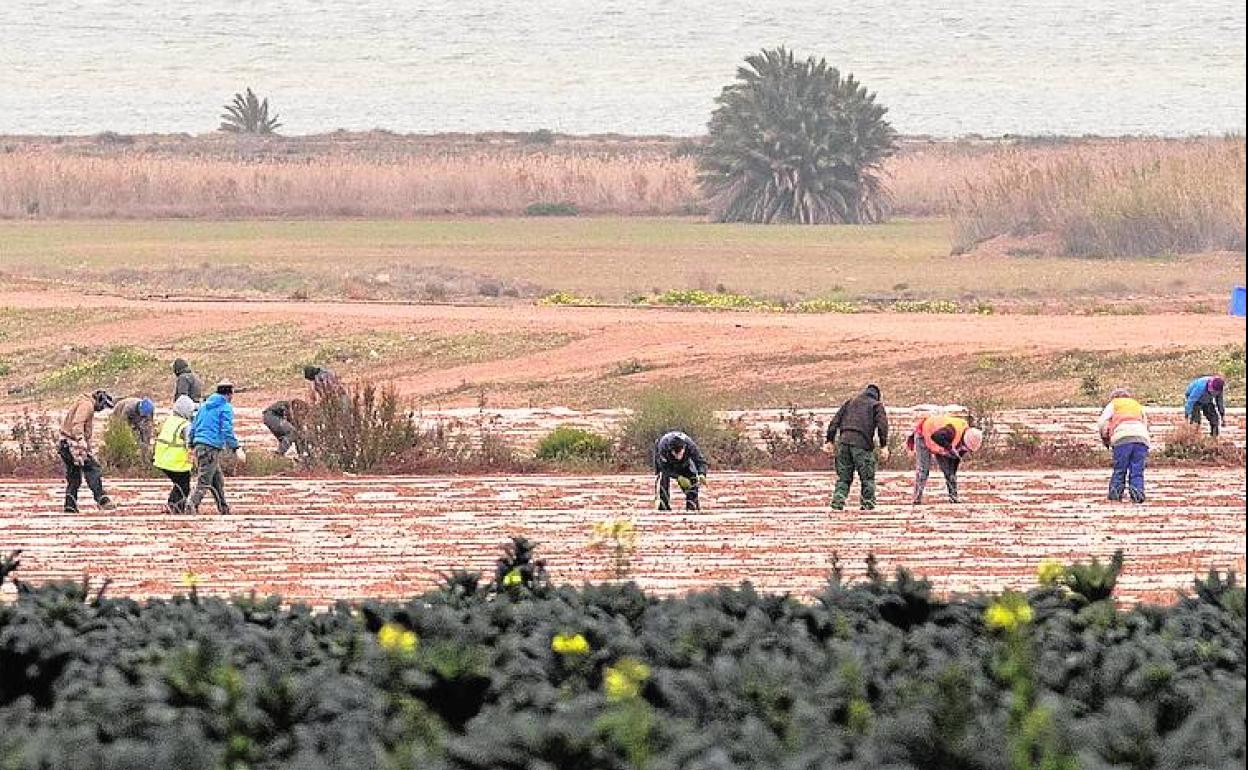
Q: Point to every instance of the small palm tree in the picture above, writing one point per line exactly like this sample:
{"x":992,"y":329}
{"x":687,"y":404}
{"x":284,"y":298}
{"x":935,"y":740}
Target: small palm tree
{"x":795,"y":141}
{"x":248,"y":114}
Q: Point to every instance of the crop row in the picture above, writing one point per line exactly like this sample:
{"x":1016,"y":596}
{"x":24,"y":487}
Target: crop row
{"x":524,"y":428}
{"x":319,"y":540}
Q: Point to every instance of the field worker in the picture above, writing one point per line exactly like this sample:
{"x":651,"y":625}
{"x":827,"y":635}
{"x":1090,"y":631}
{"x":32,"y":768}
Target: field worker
{"x":1123,"y":426}
{"x":139,"y":414}
{"x":948,"y":438}
{"x":186,"y":382}
{"x":1205,"y":396}
{"x":851,"y":436}
{"x":74,"y":450}
{"x":212,"y":432}
{"x":172,"y":455}
{"x":676,"y":456}
{"x":324,"y":382}
{"x":284,"y":420}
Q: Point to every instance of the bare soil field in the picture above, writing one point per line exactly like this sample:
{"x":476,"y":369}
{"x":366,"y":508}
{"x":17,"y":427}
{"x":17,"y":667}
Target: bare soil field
{"x":587,"y":358}
{"x":316,"y":541}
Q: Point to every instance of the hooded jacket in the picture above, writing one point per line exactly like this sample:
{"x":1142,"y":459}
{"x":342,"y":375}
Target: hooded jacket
{"x":859,"y":420}
{"x":174,"y":440}
{"x":214,"y":424}
{"x":691,"y":465}
{"x":187,"y":383}
{"x":1198,"y":392}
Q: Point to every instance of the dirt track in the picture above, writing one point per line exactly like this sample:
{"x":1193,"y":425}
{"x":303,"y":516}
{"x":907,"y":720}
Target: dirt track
{"x":391,"y":537}
{"x":697,"y":344}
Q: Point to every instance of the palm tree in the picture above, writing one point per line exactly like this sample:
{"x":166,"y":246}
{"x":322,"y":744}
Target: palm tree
{"x":247,"y":114}
{"x":795,"y":141}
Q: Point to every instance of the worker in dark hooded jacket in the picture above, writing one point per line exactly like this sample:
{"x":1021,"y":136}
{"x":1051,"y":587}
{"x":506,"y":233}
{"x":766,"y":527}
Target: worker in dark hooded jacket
{"x":285,"y":420}
{"x":324,"y":383}
{"x":851,"y":436}
{"x":676,"y":456}
{"x":187,"y":382}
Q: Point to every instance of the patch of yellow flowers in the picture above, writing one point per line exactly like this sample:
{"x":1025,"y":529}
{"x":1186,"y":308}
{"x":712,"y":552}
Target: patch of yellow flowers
{"x":569,"y":644}
{"x":1008,"y":613}
{"x":1051,"y":572}
{"x":513,"y":578}
{"x":393,"y":637}
{"x":623,"y":681}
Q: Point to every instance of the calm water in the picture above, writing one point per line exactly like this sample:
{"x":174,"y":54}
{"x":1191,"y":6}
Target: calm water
{"x":945,"y":67}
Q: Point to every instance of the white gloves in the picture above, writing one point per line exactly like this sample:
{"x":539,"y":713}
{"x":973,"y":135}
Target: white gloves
{"x":240,"y":454}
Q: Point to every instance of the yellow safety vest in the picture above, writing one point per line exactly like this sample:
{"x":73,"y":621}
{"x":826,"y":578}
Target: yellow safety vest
{"x":172,"y":453}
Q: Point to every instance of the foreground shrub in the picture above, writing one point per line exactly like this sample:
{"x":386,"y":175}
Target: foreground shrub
{"x":569,"y":444}
{"x":516,"y":673}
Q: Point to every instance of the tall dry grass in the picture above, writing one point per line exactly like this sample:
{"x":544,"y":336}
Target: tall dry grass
{"x":1131,"y":198}
{"x":46,"y":184}
{"x":1096,"y":196}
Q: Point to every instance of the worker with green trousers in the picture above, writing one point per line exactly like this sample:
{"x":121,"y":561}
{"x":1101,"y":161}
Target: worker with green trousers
{"x":851,"y":438}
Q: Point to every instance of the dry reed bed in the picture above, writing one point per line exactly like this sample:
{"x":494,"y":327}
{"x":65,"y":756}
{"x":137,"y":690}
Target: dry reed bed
{"x":1129,"y":196}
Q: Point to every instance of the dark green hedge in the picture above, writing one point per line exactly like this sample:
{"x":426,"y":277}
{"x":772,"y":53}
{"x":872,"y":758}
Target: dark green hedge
{"x":873,"y":675}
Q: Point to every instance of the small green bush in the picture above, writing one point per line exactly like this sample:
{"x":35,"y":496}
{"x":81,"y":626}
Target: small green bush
{"x":665,"y":409}
{"x":567,"y":443}
{"x":560,"y":209}
{"x":119,"y":449}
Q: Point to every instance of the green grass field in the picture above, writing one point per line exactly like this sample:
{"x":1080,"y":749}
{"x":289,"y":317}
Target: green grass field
{"x":610,"y":259}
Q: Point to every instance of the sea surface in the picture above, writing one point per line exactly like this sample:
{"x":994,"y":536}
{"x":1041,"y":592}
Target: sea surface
{"x":944,"y":67}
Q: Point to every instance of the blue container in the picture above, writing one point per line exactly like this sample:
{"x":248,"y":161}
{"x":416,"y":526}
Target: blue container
{"x":1238,"y":301}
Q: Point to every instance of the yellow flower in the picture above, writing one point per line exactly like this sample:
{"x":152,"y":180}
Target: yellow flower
{"x":569,"y":644}
{"x":513,"y":578}
{"x":395,"y":638}
{"x":624,"y":680}
{"x":1050,"y":572}
{"x":190,"y":579}
{"x":1008,"y":613}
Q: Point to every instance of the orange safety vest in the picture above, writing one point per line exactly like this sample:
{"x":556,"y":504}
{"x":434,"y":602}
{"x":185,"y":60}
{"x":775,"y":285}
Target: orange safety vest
{"x":935,"y":423}
{"x":1125,"y":410}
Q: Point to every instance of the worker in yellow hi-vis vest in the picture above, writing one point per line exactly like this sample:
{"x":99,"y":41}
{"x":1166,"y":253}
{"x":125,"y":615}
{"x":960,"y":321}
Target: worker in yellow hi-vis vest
{"x":172,"y":453}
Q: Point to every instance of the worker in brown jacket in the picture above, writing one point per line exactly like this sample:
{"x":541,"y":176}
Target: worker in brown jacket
{"x":74,"y":449}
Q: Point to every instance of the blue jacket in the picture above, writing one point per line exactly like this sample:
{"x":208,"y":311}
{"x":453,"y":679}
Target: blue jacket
{"x":214,"y":424}
{"x":1198,"y":393}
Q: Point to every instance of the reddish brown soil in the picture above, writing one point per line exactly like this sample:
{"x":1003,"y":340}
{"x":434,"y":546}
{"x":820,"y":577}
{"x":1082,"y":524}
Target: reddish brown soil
{"x":700,"y":344}
{"x":317,"y":540}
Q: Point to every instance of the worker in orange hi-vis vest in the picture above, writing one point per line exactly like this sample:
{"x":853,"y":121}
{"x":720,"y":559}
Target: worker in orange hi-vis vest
{"x":1123,"y":427}
{"x":948,"y":439}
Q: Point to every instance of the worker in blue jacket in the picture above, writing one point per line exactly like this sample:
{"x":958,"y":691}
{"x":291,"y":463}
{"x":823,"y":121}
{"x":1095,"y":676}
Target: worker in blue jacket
{"x":1205,"y":397}
{"x":212,"y":433}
